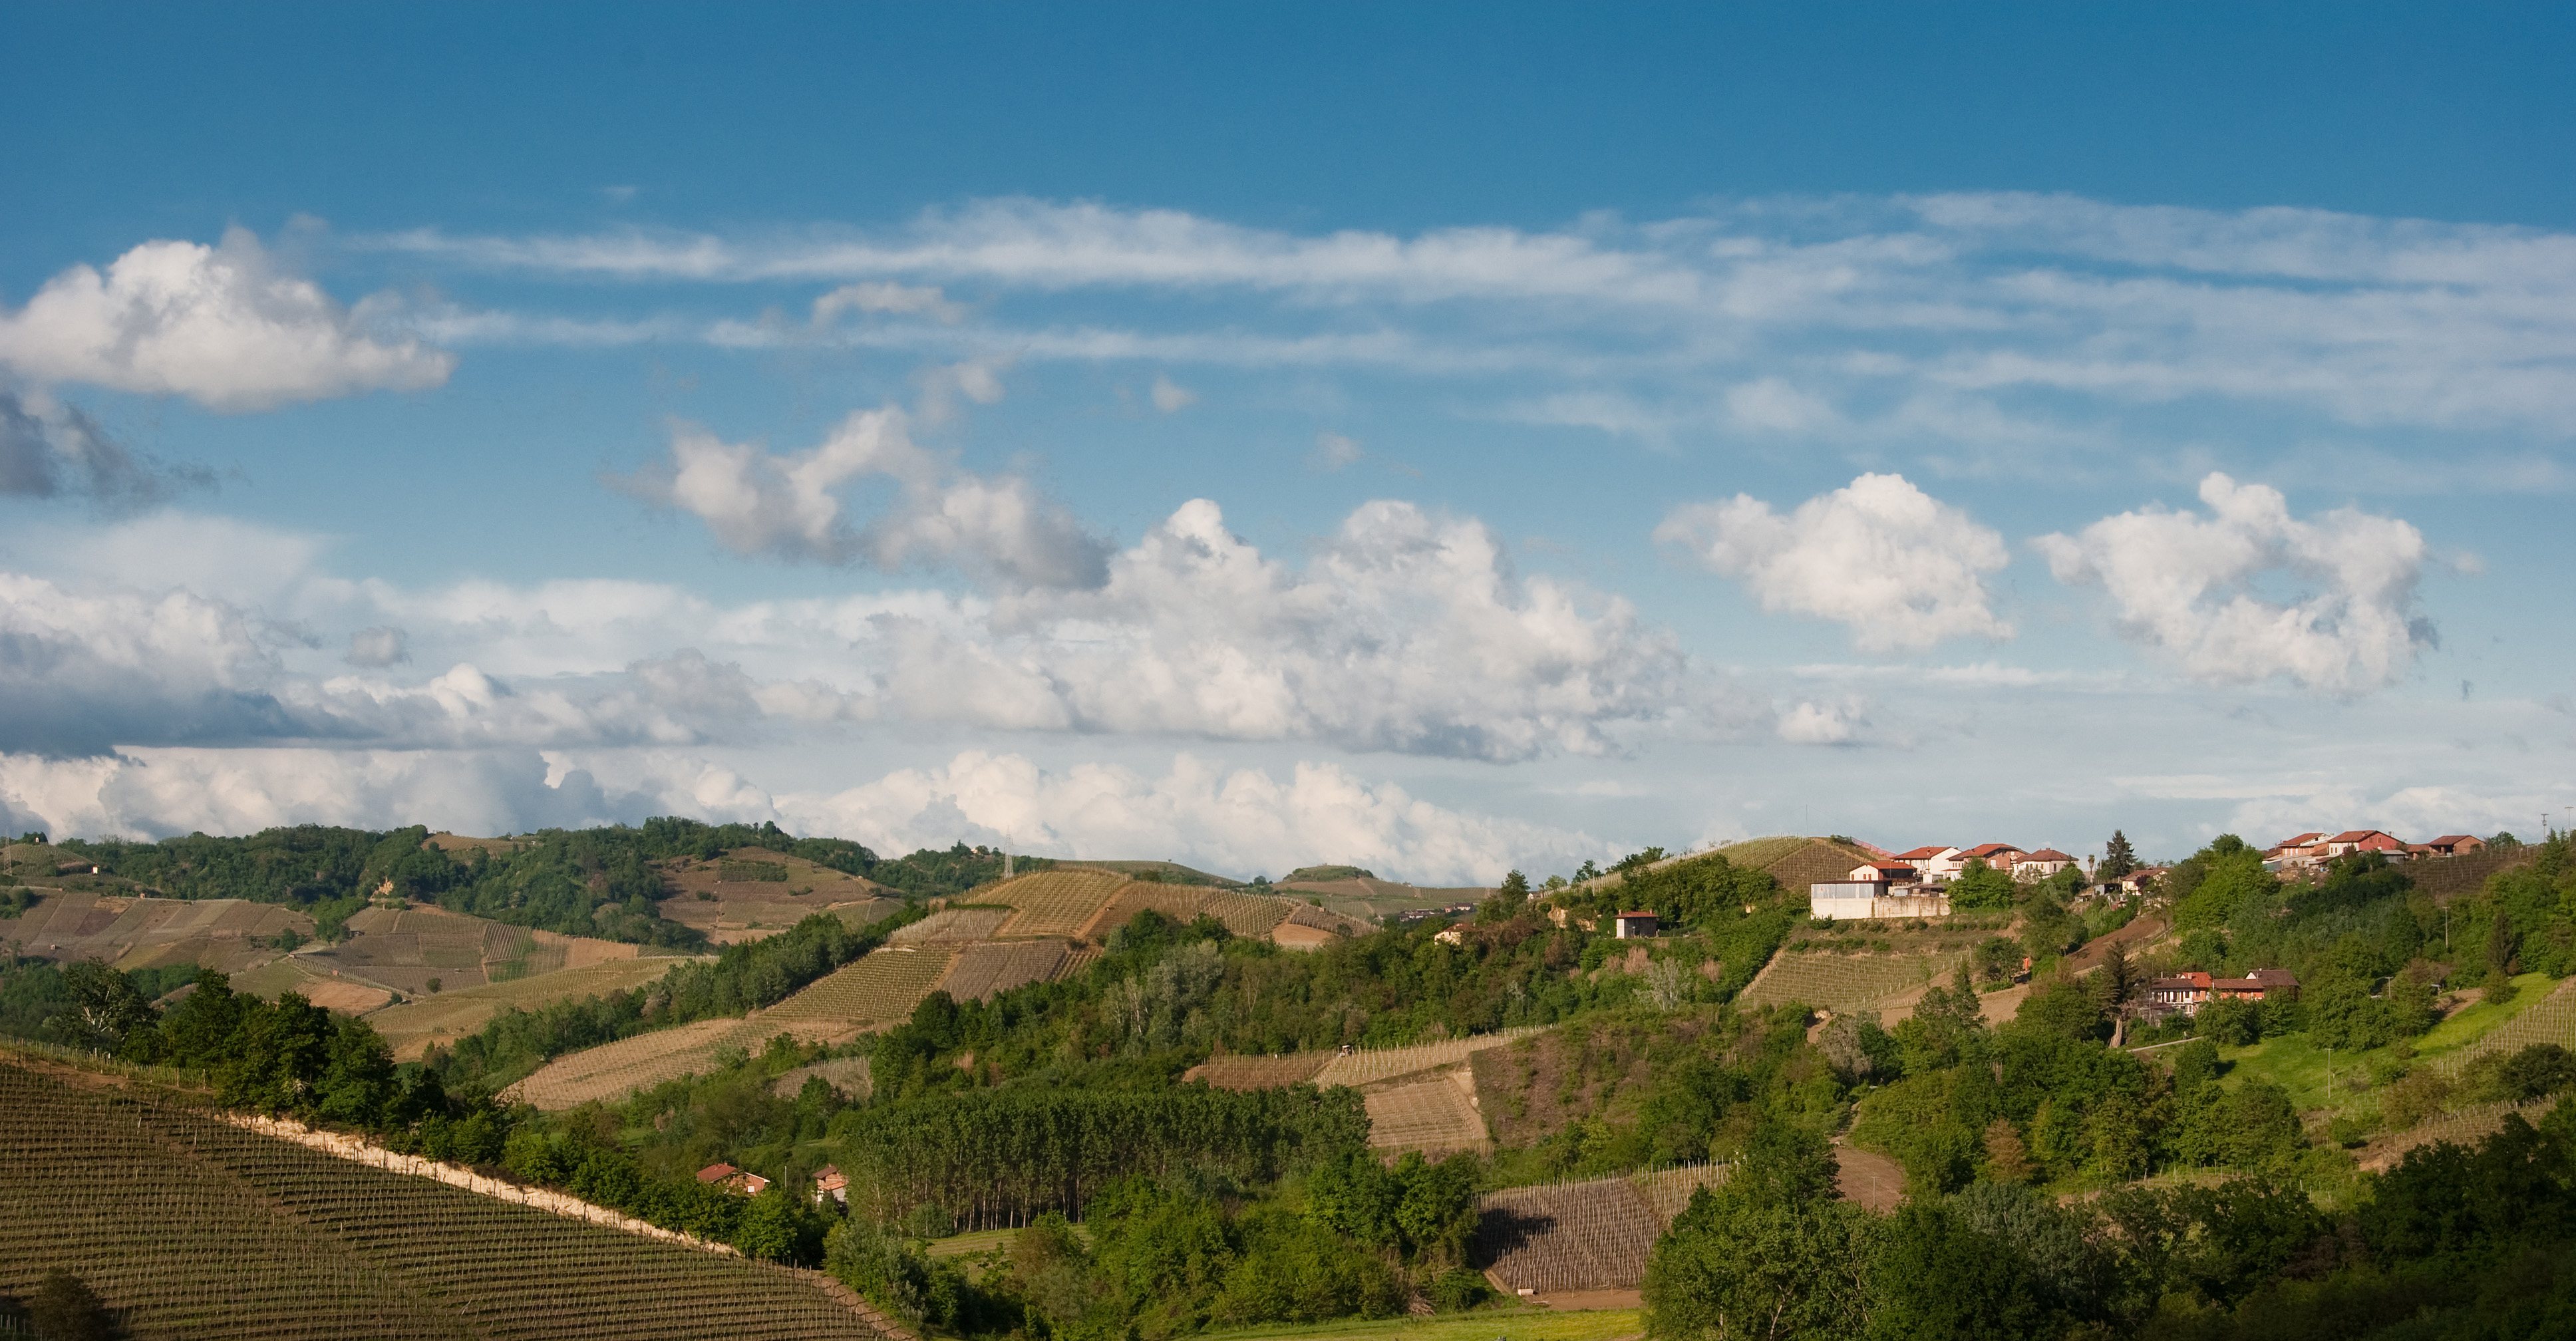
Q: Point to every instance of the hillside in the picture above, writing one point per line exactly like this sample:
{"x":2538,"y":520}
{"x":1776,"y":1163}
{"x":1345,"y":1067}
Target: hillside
{"x":193,"y":1228}
{"x":750,"y":892}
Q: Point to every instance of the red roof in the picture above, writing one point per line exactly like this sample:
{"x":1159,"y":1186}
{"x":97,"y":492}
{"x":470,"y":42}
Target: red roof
{"x":2455,"y":839}
{"x":2299,"y":840}
{"x":2046,"y":854}
{"x":2359,"y":836}
{"x":1989,"y":849}
{"x":1636,"y":914}
{"x":717,"y":1173}
{"x":1921,"y":854}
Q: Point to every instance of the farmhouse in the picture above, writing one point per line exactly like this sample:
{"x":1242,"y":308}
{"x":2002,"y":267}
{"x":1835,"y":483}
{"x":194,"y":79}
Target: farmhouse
{"x":1628,"y":926}
{"x":737,"y":1180}
{"x":1937,"y":863}
{"x":1885,"y":872}
{"x":1865,"y":899}
{"x":2455,"y":845}
{"x":831,"y":1182}
{"x":2040,"y":865}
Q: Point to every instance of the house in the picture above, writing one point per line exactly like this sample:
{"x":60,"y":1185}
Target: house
{"x":2457,"y":845}
{"x":2183,"y":991}
{"x":2363,"y":840}
{"x":2040,"y":865}
{"x":1999,"y":856}
{"x":2294,"y":844}
{"x":2260,"y":985}
{"x":1633,"y":926}
{"x":830,"y":1182}
{"x":2139,"y":881}
{"x":1885,"y":872}
{"x":1870,"y":899}
{"x":1937,"y":863}
{"x":1453,"y":936}
{"x":732,"y":1179}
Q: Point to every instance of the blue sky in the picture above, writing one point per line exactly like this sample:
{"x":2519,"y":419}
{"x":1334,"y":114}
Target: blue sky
{"x":1438,"y":438}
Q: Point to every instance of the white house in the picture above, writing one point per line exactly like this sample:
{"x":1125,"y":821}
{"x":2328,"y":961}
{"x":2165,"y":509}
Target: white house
{"x":2040,"y":865}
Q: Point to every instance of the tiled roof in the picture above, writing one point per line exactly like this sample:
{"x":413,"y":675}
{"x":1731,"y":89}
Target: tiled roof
{"x":2046,"y":854}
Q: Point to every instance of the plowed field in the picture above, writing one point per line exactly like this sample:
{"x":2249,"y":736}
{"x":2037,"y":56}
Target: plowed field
{"x":1431,"y":1115}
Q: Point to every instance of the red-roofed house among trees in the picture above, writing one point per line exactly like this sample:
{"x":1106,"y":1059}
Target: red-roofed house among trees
{"x":738,"y":1180}
{"x":2000,"y":856}
{"x":2364,"y":840}
{"x":2457,"y":845}
{"x":2040,"y":865}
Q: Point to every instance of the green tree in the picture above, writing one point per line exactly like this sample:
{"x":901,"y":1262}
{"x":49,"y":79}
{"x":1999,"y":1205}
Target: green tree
{"x":64,"y":1308}
{"x":1770,"y":1254}
{"x":1936,"y":1277}
{"x":2118,"y":858}
{"x":105,"y":1008}
{"x":1981,"y":887}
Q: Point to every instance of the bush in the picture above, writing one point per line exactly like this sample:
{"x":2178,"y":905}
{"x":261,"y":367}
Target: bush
{"x":1458,"y":1290}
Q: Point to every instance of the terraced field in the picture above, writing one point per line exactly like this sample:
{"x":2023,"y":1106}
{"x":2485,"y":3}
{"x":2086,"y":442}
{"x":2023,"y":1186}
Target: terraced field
{"x":987,"y":970}
{"x":1375,"y":1064}
{"x":420,"y":1021}
{"x":1432,"y":1115}
{"x":879,"y":989}
{"x":192,"y":1228}
{"x":1843,"y":982}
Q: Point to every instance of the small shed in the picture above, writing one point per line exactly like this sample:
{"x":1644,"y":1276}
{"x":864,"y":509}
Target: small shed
{"x":831,"y":1182}
{"x":1632,"y":926}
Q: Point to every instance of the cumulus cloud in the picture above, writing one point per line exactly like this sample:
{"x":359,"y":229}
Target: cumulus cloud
{"x":1835,"y":723}
{"x":2192,"y":586}
{"x":378,"y":647}
{"x":1903,"y":569}
{"x":48,"y":449}
{"x":1171,"y":397}
{"x":224,"y":326}
{"x":791,"y":507}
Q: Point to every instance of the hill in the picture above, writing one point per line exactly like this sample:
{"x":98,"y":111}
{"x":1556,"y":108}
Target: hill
{"x":750,"y":892}
{"x":190,"y":1227}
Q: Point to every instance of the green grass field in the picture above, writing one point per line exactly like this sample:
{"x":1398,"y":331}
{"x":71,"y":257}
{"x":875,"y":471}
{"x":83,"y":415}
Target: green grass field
{"x":2296,"y":1065}
{"x":1506,"y":1323}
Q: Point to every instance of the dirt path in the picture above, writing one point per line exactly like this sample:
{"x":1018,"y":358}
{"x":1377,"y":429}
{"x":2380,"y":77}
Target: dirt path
{"x":1868,"y":1178}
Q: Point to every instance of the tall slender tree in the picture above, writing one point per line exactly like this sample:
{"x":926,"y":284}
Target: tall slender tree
{"x":2118,"y":858}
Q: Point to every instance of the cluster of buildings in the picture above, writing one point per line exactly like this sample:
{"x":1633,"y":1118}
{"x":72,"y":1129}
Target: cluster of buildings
{"x":1914,"y":884}
{"x":829,"y":1182}
{"x":2308,"y":851}
{"x":2186,"y":993}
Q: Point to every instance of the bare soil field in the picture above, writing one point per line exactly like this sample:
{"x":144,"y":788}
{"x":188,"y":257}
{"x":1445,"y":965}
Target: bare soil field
{"x":1370,"y":1065}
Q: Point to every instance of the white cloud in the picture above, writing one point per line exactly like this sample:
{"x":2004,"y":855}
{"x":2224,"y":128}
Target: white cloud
{"x":2009,"y":306}
{"x":1810,"y":723}
{"x":1903,"y":569}
{"x":1243,"y":823}
{"x":1334,"y":451}
{"x":791,"y":507}
{"x":898,"y":299}
{"x":2192,"y":586}
{"x":221,"y":325}
{"x":1171,"y":397}
{"x":48,"y":449}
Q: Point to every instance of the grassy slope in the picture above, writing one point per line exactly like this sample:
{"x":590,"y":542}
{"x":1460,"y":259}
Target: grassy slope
{"x":2299,"y":1066}
{"x":1506,"y":1323}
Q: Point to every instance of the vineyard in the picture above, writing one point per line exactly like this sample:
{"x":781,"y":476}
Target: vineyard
{"x":1592,"y":1235}
{"x":1259,"y":1073}
{"x":752,"y":893}
{"x":849,"y":1075}
{"x":1843,"y":982}
{"x":2552,"y":1019}
{"x":1181,"y":903}
{"x":1246,"y":914}
{"x":952,"y":924}
{"x":1432,"y":1116}
{"x":1075,"y":961}
{"x":2460,"y":1127}
{"x":881,"y":988}
{"x":190,"y":1228}
{"x":985,"y":971}
{"x":1375,"y":1064}
{"x":1053,"y":903}
{"x":227,"y":934}
{"x":610,"y":1070}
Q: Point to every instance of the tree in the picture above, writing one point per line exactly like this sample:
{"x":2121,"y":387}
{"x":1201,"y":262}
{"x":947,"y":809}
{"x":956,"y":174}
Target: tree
{"x":1980,"y":886}
{"x":64,"y":1308}
{"x":105,"y":1008}
{"x":2118,"y":858}
{"x":1770,"y":1254}
{"x":1937,"y":1277}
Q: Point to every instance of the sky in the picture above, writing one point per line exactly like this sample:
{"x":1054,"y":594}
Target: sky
{"x":1442,"y":439}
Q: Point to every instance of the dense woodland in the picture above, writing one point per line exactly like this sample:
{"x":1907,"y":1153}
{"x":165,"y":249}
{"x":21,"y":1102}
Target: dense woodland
{"x":2059,"y":1186}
